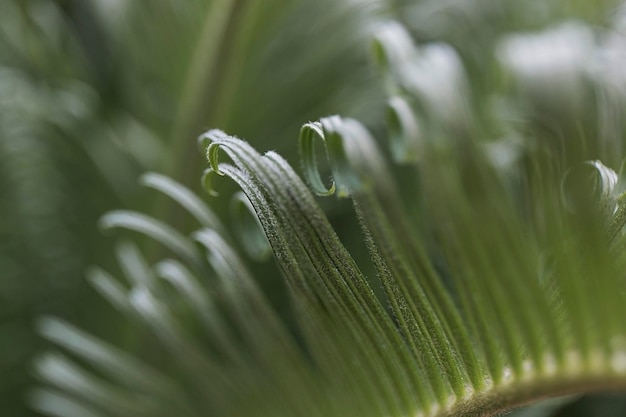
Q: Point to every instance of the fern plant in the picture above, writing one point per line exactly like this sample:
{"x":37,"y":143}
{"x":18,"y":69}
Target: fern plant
{"x":496,"y":250}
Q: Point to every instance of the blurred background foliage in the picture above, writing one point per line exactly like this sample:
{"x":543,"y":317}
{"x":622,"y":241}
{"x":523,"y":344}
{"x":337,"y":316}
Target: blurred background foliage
{"x":95,"y":92}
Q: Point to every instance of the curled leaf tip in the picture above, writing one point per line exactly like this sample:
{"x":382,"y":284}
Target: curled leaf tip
{"x":591,"y":182}
{"x":392,"y":50}
{"x":207,"y":184}
{"x":309,"y":133}
{"x":332,"y":131}
{"x":208,"y":144}
{"x":213,"y":157}
{"x":404,"y":130}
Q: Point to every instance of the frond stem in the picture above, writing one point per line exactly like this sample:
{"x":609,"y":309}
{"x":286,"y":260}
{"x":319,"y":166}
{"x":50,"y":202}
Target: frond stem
{"x":509,"y":395}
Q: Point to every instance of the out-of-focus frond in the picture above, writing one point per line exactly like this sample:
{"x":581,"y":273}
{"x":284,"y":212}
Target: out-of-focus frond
{"x":91,"y":93}
{"x":495,"y":250}
{"x":499,"y":266}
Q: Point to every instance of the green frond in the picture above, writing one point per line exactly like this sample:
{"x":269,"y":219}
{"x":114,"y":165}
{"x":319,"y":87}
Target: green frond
{"x":499,"y":253}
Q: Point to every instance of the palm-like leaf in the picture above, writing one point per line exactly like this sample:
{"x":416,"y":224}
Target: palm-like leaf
{"x":90,"y":94}
{"x":498,"y":253}
{"x":492,"y":303}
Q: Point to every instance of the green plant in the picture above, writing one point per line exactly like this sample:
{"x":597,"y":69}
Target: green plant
{"x":486,"y":269}
{"x":90,"y":95}
{"x":498,"y":247}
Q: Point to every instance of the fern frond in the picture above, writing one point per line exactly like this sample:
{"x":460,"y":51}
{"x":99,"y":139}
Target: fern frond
{"x":501,"y":276}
